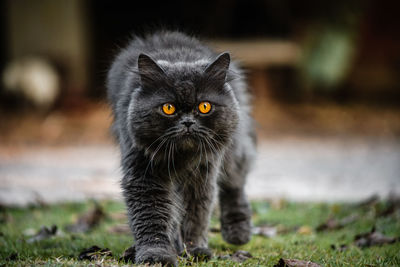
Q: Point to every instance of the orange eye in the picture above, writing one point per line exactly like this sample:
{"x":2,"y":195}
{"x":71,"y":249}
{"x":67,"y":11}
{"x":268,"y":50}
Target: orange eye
{"x":204,"y":107}
{"x":168,"y":109}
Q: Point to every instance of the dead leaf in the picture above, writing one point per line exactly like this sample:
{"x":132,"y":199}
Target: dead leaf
{"x":43,"y":233}
{"x":389,"y":210}
{"x":330,"y":224}
{"x":129,"y":255}
{"x":272,"y":231}
{"x":392,"y":205}
{"x":87,"y":221}
{"x":12,"y":257}
{"x":119,"y":229}
{"x":305,"y":230}
{"x":369,"y":202}
{"x":295,"y":263}
{"x":224,"y":257}
{"x":238,"y":256}
{"x":373,"y":238}
{"x":265,"y":230}
{"x":241,"y":256}
{"x":335,"y":224}
{"x":94,"y":253}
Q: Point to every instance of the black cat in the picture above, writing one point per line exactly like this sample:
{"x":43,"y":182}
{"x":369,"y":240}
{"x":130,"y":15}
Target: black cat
{"x":182,"y":119}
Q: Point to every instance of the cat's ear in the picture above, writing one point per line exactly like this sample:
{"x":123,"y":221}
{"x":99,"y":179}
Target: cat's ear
{"x":219,"y":68}
{"x":149,"y":70}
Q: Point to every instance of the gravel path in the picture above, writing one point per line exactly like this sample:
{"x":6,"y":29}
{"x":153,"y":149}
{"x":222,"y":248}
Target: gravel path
{"x":311,"y":169}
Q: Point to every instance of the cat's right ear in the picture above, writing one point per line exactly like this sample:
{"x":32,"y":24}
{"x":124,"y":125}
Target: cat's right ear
{"x":219,"y":68}
{"x":150,"y":72}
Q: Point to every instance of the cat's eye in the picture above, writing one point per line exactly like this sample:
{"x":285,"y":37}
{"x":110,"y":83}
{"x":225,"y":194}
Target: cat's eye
{"x":204,"y":107}
{"x":168,"y":108}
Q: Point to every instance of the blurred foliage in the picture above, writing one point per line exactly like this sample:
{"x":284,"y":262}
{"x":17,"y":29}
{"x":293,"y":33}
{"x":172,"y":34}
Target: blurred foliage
{"x":328,"y":57}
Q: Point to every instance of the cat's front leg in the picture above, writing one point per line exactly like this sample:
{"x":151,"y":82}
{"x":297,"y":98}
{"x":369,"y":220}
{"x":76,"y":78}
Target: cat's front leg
{"x":150,"y":211}
{"x":199,"y":204}
{"x":234,"y":206}
{"x":235,"y":215}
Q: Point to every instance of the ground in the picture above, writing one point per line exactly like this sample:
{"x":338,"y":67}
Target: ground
{"x":295,"y":224}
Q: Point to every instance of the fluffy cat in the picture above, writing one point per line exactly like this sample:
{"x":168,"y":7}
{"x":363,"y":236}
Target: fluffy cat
{"x":182,"y":120}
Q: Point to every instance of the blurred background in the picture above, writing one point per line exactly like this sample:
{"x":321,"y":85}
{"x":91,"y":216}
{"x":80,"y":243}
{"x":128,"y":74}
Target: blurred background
{"x":325,"y":78}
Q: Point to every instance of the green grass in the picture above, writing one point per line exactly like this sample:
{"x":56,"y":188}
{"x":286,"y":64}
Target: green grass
{"x":64,"y":249}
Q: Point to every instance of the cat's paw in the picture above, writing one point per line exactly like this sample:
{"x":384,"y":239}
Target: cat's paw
{"x":200,"y":253}
{"x":236,"y":233}
{"x":152,"y":255}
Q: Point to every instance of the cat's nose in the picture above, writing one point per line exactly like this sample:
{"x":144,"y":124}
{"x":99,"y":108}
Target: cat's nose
{"x":188,"y":123}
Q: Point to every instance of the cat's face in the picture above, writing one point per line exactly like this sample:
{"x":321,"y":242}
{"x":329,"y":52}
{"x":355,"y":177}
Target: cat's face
{"x":183,"y":107}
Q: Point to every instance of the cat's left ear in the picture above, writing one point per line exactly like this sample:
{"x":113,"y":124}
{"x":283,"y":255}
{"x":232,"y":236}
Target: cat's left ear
{"x":219,"y":68}
{"x":150,"y":72}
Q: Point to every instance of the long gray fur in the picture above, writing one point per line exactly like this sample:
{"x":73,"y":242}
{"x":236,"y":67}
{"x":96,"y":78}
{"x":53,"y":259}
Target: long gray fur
{"x":173,"y":173}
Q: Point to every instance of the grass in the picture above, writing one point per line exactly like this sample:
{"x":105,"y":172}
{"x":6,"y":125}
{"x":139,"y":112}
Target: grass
{"x":63,"y":250}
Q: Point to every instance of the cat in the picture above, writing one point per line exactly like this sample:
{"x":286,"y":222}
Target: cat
{"x":182,"y":120}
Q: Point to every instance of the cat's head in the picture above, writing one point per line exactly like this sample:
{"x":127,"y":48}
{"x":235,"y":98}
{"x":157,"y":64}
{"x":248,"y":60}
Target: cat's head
{"x":183,"y":106}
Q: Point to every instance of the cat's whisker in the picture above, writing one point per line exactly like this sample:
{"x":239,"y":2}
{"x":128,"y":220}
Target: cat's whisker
{"x":169,"y":132}
{"x":201,"y":152}
{"x":206,"y":162}
{"x":173,"y":159}
{"x":153,"y":155}
{"x":215,"y":140}
{"x":220,"y":136}
{"x":162,"y":136}
{"x":168,"y":158}
{"x":213,"y":148}
{"x":209,"y":139}
{"x":218,"y":151}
